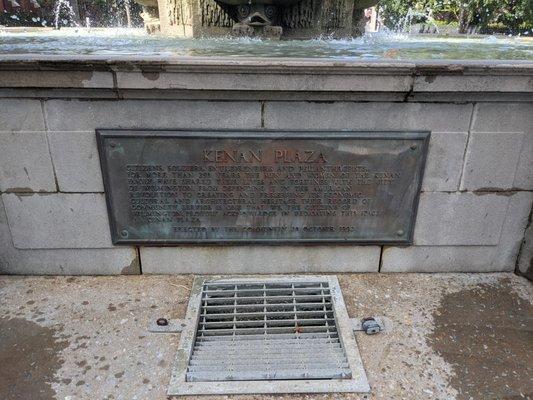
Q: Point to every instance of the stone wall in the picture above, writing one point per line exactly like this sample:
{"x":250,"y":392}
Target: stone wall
{"x":477,"y":190}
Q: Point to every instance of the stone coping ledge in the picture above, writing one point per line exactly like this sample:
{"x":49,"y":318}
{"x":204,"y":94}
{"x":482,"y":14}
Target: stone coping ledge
{"x":258,"y":64}
{"x":312,"y":79}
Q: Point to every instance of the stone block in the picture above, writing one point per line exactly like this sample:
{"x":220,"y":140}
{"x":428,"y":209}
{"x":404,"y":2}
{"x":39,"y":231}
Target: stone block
{"x":491,"y":160}
{"x":499,"y":257}
{"x":512,"y":235}
{"x":473,"y":83}
{"x":259,"y":259}
{"x":524,"y":171}
{"x":467,"y":97}
{"x":438,"y":259}
{"x":21,"y":115}
{"x":114,"y":261}
{"x":264,"y":81}
{"x":54,"y":221}
{"x":444,"y":162}
{"x":57,"y":79}
{"x":58,"y":93}
{"x":117,"y":261}
{"x":236,"y":95}
{"x":77,"y":115}
{"x":460,"y":219}
{"x":368,"y":116}
{"x":76,"y":161}
{"x":503,"y":117}
{"x":25,"y":163}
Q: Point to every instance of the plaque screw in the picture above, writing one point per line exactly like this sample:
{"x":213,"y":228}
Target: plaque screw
{"x":399,"y":233}
{"x":124,"y":233}
{"x":370,"y":326}
{"x":162,"y":322}
{"x":112,"y":144}
{"x":414,"y":147}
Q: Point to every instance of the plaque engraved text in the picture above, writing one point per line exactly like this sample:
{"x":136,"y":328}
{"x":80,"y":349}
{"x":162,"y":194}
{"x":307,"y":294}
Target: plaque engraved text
{"x":265,"y":187}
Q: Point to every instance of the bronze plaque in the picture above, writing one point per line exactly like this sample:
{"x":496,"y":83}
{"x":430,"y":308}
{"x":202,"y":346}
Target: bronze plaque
{"x":170,"y":187}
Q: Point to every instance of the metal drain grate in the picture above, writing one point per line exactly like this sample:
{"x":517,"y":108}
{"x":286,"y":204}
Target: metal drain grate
{"x":267,"y":331}
{"x":269,"y":335}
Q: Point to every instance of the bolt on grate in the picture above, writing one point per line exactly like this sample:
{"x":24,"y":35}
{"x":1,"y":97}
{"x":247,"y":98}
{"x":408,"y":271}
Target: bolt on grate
{"x":252,"y":333}
{"x":267,"y":331}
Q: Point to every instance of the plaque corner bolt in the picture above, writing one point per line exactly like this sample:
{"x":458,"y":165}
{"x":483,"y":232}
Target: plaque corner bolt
{"x":370,"y":326}
{"x":400,"y":232}
{"x":414,"y":147}
{"x":165,"y":325}
{"x":124,"y":233}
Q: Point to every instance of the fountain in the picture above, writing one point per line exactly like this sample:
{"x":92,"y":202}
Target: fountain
{"x":71,"y":13}
{"x":295,"y":19}
{"x":407,"y":23}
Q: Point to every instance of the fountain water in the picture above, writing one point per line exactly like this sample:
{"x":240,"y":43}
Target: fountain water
{"x":127,"y":8}
{"x":65,"y":5}
{"x":405,"y":24}
{"x":326,"y":33}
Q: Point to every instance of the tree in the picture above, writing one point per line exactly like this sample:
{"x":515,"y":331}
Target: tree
{"x":512,"y":16}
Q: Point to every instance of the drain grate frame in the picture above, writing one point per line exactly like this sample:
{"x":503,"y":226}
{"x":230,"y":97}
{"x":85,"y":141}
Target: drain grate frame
{"x":184,"y":381}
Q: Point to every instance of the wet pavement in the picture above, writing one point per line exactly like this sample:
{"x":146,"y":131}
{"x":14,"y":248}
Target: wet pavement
{"x":451,"y":336}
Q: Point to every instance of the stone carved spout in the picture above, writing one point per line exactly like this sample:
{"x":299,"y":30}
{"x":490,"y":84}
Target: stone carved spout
{"x":257,"y":17}
{"x":257,"y":12}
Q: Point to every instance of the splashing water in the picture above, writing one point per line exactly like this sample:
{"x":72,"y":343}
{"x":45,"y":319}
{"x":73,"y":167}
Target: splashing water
{"x":127,"y":7}
{"x":404,"y":24}
{"x":374,"y":46}
{"x":65,"y":5}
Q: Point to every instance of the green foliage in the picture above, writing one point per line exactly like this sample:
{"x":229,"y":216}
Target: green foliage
{"x":101,"y":13}
{"x":444,"y":23}
{"x":506,"y":15}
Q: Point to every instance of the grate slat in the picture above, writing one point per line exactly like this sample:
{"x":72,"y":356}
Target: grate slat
{"x":207,"y":324}
{"x":258,"y":347}
{"x":272,"y":306}
{"x":264,"y":374}
{"x":275,"y":291}
{"x":270,"y":366}
{"x":251,"y":362}
{"x":272,"y":314}
{"x":292,"y":335}
{"x":267,"y":331}
{"x":310,"y":298}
